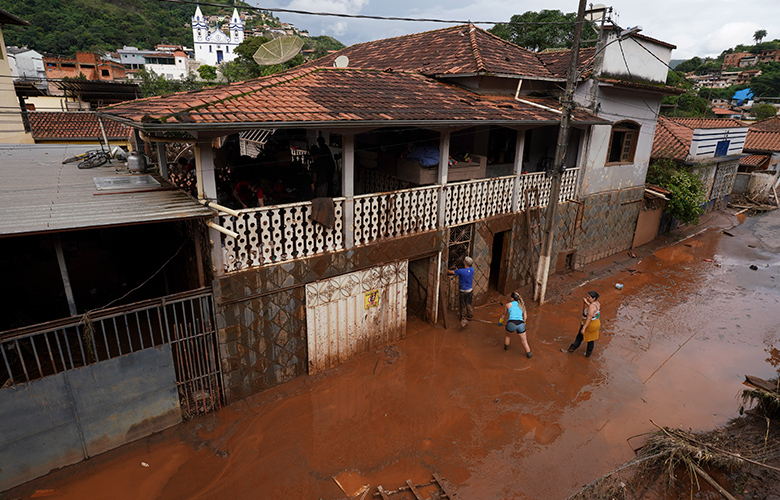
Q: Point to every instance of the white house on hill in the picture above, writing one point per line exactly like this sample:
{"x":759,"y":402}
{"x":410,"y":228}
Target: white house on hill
{"x":213,"y":46}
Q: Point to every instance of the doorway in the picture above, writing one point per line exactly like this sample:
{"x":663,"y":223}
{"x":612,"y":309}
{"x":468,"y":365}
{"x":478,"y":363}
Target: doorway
{"x":418,"y":300}
{"x":496,"y":278}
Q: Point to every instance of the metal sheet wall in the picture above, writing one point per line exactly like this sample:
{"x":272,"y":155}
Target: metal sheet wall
{"x":63,"y":418}
{"x":342,"y":325}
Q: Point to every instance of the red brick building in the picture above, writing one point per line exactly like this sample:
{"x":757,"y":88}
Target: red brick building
{"x":732,"y":60}
{"x":92,"y":66}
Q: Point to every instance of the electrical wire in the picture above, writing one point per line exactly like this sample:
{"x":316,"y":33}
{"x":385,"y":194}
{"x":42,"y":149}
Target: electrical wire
{"x":142,"y":284}
{"x":630,"y":76}
{"x":366,"y":16}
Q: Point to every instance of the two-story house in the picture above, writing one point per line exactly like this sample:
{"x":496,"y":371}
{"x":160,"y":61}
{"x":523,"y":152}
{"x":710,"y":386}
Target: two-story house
{"x":441,"y":141}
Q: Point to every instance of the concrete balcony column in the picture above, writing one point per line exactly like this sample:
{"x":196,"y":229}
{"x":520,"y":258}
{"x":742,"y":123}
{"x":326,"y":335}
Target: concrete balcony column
{"x":444,"y":156}
{"x":518,"y":170}
{"x":348,"y":188}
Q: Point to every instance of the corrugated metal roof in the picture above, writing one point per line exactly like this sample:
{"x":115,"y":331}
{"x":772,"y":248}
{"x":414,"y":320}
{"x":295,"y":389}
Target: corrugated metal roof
{"x":39,"y":194}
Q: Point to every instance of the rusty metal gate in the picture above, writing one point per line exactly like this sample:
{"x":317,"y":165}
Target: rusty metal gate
{"x":185,"y":321}
{"x":350,"y":315}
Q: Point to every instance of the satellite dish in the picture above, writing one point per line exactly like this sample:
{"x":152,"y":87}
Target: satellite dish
{"x":341,"y":62}
{"x":595,"y":12}
{"x":278,"y":50}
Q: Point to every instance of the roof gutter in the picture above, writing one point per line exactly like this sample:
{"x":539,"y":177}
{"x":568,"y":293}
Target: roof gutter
{"x":238,"y":126}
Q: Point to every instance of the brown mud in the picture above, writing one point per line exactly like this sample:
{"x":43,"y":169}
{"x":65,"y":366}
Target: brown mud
{"x":676,"y":342}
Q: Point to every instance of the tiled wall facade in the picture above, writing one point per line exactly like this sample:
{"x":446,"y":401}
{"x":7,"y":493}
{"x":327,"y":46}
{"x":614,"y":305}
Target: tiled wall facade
{"x":261,"y":315}
{"x":598,"y":226}
{"x":608,"y":224}
{"x":261,"y":312}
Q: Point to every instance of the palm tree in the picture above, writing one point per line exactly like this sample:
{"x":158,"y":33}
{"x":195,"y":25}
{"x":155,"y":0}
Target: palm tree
{"x":759,"y":35}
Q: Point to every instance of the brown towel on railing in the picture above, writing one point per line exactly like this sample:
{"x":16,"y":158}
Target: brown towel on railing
{"x":323,"y":210}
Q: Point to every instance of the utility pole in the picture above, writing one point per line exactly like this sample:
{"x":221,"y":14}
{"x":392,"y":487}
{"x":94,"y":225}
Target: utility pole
{"x":567,"y":102}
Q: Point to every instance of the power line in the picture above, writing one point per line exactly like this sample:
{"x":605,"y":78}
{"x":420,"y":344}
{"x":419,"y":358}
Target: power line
{"x":366,"y":16}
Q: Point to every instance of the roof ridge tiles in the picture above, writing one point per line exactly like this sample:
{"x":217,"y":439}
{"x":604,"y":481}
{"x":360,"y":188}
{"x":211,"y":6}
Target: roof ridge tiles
{"x":475,"y":48}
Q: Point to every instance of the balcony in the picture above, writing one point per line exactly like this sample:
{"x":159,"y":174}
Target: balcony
{"x":282,"y":233}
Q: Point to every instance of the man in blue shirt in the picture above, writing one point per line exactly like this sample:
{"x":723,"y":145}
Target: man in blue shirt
{"x":466,"y":285}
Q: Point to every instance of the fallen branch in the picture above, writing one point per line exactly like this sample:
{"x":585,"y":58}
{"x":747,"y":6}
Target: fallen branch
{"x":733,"y":455}
{"x":712,"y":482}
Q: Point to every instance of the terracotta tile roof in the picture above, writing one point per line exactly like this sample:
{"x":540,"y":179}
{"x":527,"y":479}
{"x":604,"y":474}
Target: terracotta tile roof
{"x":768,"y":125}
{"x":753,"y":160}
{"x":673,"y":136}
{"x":671,"y":139}
{"x":557,"y":61}
{"x":722,"y":111}
{"x":709,"y":123}
{"x":73,"y":125}
{"x":337,"y":96}
{"x":457,"y":50}
{"x":762,"y":141}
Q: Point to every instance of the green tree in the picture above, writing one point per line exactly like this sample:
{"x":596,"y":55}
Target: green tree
{"x":65,"y":26}
{"x":207,"y":72}
{"x":546,"y":29}
{"x":763,"y":111}
{"x":767,"y":84}
{"x":687,"y":192}
{"x":759,"y":35}
{"x":691,"y":64}
{"x":689,"y":104}
{"x":152,"y":84}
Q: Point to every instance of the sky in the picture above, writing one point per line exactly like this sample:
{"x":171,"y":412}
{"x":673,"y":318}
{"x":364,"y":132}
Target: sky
{"x":697,"y":27}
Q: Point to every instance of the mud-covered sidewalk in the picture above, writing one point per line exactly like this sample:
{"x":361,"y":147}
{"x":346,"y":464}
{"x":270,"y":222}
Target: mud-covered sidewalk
{"x":691,"y":320}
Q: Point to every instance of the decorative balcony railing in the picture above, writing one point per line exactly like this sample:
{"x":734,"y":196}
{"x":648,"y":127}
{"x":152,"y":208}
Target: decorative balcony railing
{"x":397,"y":213}
{"x":283,"y":233}
{"x":474,"y":200}
{"x":279,"y":233}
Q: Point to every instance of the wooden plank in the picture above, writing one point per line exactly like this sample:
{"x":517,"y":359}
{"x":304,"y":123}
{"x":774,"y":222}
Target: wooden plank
{"x":761,"y":383}
{"x":383,"y":493}
{"x":414,"y":491}
{"x":445,"y":486}
{"x":442,"y":305}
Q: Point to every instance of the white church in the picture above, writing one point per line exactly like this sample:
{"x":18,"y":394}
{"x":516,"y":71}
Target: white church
{"x":213,"y":47}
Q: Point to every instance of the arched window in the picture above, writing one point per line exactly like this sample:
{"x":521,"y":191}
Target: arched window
{"x":622,"y":144}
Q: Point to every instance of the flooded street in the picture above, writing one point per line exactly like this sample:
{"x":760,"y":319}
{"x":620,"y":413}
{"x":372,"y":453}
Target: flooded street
{"x":675,"y":345}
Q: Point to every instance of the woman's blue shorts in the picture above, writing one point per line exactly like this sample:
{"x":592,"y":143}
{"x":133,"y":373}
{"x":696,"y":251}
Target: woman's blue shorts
{"x":515,"y":326}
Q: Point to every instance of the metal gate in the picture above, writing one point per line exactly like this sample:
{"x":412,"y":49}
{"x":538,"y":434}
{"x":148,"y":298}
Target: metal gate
{"x":185,"y":321}
{"x":350,"y":315}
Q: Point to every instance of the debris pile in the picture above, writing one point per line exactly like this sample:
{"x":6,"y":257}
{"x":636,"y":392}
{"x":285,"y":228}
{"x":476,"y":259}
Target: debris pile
{"x":746,"y":203}
{"x":740,"y":460}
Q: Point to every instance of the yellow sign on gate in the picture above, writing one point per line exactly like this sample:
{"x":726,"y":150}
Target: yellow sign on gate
{"x":371,"y":299}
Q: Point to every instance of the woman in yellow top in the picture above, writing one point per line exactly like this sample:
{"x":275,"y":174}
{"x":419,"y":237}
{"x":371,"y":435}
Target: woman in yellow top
{"x":590,"y":324}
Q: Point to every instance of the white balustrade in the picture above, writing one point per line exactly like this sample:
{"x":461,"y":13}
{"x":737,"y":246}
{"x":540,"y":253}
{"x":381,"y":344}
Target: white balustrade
{"x":538,"y":185}
{"x":398,"y":213}
{"x":277,"y":234}
{"x":282,"y":233}
{"x":479,"y":199}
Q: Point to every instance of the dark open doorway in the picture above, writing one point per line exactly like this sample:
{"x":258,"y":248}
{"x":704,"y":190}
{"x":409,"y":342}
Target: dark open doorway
{"x":494,"y":280}
{"x":417,"y":289}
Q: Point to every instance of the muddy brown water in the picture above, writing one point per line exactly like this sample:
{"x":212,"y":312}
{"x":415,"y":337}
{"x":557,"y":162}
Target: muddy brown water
{"x":676,"y":343}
